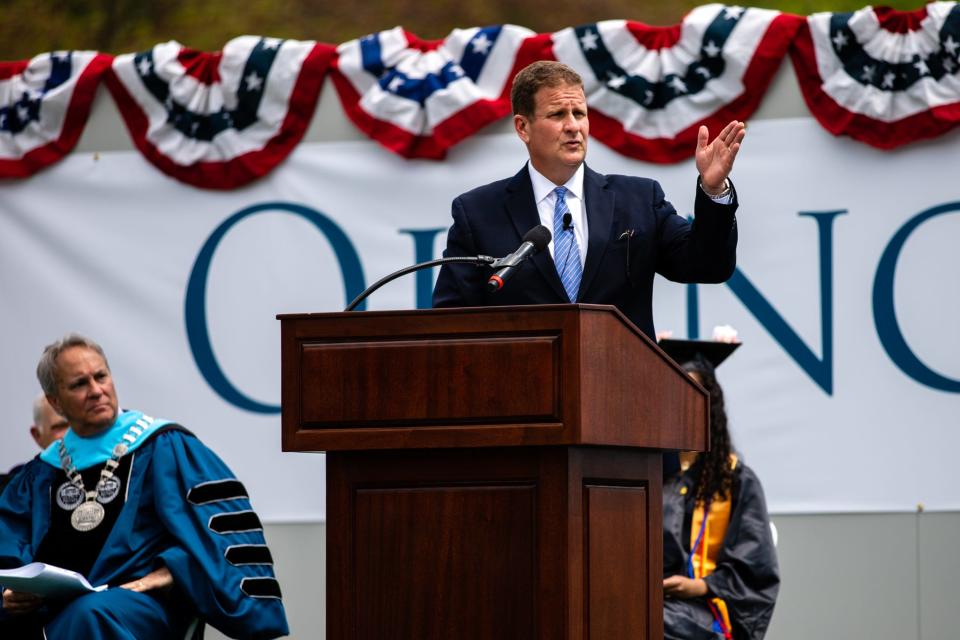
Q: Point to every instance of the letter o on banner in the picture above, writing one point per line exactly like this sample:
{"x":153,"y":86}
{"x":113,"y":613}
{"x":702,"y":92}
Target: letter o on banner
{"x":885,"y":312}
{"x":195,"y":305}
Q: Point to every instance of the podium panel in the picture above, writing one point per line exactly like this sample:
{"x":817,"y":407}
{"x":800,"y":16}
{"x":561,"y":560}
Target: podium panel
{"x":514,"y":543}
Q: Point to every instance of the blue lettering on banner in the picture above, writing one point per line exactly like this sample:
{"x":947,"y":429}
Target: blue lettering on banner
{"x":885,"y":311}
{"x":195,"y":311}
{"x":820,"y":369}
{"x":423,"y":241}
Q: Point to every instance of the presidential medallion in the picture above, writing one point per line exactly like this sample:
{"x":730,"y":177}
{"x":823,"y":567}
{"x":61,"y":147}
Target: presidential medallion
{"x":69,"y":496}
{"x":87,"y":516}
{"x":108,"y":489}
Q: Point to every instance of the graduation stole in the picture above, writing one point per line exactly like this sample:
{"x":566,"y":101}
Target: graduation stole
{"x":710,"y":521}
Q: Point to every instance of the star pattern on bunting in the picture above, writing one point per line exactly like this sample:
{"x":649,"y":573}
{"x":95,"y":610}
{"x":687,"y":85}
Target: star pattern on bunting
{"x":733,"y":13}
{"x":840,"y":40}
{"x":481,"y":44}
{"x":616,"y":82}
{"x":253,"y":81}
{"x":951,"y":45}
{"x":711,"y":49}
{"x":589,"y":41}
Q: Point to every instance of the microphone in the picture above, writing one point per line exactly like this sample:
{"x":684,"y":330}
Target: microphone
{"x":534,"y":241}
{"x":567,"y":226}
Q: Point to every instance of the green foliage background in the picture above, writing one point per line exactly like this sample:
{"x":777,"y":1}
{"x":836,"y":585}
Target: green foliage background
{"x":29,"y":27}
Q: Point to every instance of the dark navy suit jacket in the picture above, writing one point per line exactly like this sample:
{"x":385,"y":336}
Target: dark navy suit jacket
{"x":625,"y":216}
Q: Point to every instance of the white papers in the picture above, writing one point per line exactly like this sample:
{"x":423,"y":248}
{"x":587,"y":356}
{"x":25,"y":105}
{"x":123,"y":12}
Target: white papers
{"x":47,"y":580}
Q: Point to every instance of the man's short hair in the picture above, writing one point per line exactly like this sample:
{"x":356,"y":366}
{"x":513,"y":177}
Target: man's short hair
{"x":47,"y":367}
{"x":533,"y":77}
{"x":39,"y":404}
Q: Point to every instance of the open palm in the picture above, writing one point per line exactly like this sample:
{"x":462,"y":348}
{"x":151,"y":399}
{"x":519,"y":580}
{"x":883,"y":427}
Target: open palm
{"x":715,"y":160}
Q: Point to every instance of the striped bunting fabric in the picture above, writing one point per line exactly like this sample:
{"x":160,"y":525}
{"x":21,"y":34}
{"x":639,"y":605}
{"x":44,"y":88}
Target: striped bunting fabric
{"x":650,"y":88}
{"x":44,"y":106}
{"x":881,"y":76}
{"x":420,"y":98}
{"x":220,"y":120}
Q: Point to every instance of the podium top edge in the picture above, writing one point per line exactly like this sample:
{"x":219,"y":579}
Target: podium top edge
{"x":531,"y":308}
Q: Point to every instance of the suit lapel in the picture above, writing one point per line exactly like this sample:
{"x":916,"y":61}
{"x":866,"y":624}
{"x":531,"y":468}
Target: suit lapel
{"x":599,"y":201}
{"x":522,"y":208}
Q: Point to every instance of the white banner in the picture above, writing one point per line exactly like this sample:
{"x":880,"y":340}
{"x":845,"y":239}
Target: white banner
{"x":840,"y":403}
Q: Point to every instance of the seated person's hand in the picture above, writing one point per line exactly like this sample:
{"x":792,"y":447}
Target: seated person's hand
{"x":18,"y":602}
{"x":159,"y":579}
{"x":684,"y":588}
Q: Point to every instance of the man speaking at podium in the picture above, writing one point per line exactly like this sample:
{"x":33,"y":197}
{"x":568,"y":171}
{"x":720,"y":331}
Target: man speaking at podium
{"x":610,"y":233}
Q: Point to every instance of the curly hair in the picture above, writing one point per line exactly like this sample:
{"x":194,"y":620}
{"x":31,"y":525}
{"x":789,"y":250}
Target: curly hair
{"x":716,"y":474}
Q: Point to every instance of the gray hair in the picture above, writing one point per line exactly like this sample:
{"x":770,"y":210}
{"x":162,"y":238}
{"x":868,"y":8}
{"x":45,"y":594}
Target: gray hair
{"x":47,"y":367}
{"x":38,"y":405}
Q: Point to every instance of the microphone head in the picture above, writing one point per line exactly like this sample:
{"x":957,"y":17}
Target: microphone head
{"x":539,"y":237}
{"x":567,"y":221}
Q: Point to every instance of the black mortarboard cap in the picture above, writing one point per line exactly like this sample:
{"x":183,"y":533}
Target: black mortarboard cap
{"x":713,"y":351}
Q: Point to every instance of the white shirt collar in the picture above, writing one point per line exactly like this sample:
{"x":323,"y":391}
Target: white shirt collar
{"x":543,"y":186}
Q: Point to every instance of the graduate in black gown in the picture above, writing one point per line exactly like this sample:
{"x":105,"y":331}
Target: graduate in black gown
{"x":720,"y":572}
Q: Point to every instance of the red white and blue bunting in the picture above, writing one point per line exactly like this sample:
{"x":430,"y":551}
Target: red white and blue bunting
{"x":650,"y":88}
{"x":220,"y":120}
{"x":44,"y":105}
{"x":420,"y":98}
{"x":883,"y":77}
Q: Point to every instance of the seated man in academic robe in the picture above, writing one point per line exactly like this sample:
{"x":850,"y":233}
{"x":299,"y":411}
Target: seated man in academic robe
{"x":136,"y":503}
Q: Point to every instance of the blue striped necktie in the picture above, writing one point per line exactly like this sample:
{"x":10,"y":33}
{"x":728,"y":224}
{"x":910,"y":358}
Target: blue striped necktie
{"x":566,"y":254}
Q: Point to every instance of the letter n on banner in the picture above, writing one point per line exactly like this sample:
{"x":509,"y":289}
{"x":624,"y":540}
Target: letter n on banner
{"x":820,"y":369}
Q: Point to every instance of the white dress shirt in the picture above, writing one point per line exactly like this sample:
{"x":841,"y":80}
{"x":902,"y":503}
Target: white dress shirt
{"x":543,"y":193}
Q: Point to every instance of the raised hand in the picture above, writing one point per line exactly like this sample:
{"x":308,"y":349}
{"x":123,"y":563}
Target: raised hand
{"x":715,"y":160}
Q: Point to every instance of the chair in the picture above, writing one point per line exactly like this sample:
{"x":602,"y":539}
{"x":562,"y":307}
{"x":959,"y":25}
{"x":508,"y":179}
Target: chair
{"x":195,"y":630}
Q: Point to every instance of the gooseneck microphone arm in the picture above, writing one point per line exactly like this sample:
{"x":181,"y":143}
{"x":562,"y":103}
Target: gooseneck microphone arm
{"x":475,"y":260}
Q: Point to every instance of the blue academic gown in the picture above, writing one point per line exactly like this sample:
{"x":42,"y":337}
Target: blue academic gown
{"x":184,"y":509}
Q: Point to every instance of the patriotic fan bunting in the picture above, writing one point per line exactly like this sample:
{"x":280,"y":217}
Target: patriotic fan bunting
{"x":420,"y":98}
{"x":650,"y":88}
{"x":220,"y":120}
{"x":881,"y":76}
{"x":44,"y":105}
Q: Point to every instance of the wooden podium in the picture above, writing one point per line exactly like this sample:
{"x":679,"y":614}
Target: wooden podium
{"x":492,"y":473}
